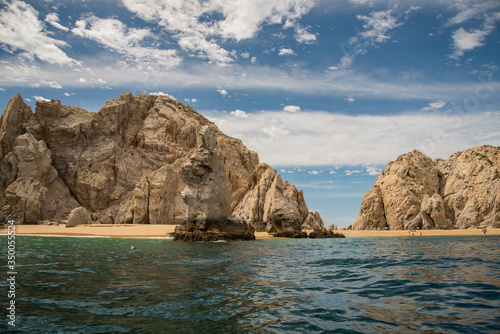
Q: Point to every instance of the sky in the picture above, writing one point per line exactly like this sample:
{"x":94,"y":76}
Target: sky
{"x":327,"y":92}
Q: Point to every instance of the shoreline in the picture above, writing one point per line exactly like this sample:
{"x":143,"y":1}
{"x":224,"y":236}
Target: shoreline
{"x":162,"y":231}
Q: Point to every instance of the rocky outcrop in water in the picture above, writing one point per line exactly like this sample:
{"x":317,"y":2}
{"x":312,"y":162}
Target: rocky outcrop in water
{"x":416,"y":192}
{"x":129,"y":163}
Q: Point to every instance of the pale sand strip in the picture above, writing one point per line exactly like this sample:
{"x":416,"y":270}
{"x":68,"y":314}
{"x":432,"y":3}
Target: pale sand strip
{"x":155,"y":231}
{"x":404,"y":233}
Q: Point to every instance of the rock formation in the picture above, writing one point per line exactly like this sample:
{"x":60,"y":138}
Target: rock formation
{"x":130,"y":162}
{"x":417,"y":192}
{"x":313,"y":221}
{"x":207,"y":197}
{"x":269,"y":203}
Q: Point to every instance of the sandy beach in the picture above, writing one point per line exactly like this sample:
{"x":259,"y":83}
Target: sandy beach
{"x":158,"y":231}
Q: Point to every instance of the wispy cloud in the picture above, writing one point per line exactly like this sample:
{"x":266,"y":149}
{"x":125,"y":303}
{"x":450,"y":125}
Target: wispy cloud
{"x":21,"y":30}
{"x":53,"y":19}
{"x":339,"y":83}
{"x":116,"y":36}
{"x":376,"y":28}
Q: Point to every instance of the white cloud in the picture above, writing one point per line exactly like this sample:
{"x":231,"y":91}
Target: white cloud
{"x":286,"y":52}
{"x":350,"y":99}
{"x":245,"y":55}
{"x":239,"y":113}
{"x":254,"y":60}
{"x":313,"y":172}
{"x":20,"y":29}
{"x":376,"y":28}
{"x":372,"y":170}
{"x":291,"y":109}
{"x":316,"y":138}
{"x":163,"y":94}
{"x":304,"y":36}
{"x":465,"y":41}
{"x":336,"y":84}
{"x":378,"y":24}
{"x":222,"y":91}
{"x":41,"y":98}
{"x":351,"y":172}
{"x":46,"y":83}
{"x":53,"y":19}
{"x":241,"y":19}
{"x":116,"y":36}
{"x":435,"y":105}
{"x":192,"y":101}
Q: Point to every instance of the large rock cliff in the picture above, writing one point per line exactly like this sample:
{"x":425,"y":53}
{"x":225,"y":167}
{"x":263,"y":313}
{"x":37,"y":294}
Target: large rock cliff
{"x":416,"y":192}
{"x":129,"y":163}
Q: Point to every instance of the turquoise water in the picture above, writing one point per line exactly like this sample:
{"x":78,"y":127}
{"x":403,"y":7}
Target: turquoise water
{"x":358,"y":285}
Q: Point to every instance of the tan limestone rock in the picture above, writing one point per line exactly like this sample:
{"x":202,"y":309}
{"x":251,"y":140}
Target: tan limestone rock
{"x":313,"y":221}
{"x":416,"y":192}
{"x":78,"y":216}
{"x":123,"y":164}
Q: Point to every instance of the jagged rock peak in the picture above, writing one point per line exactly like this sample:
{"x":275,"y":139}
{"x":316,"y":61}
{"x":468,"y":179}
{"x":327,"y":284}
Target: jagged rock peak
{"x":129,"y":163}
{"x":416,"y":192}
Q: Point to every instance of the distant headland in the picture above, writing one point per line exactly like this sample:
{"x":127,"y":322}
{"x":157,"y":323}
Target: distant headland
{"x":416,"y":192}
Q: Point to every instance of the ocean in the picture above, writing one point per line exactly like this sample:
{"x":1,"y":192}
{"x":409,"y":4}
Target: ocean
{"x":351,"y":285}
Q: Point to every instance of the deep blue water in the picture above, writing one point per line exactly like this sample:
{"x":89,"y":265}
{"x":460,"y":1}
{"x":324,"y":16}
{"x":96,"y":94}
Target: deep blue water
{"x":359,"y":285}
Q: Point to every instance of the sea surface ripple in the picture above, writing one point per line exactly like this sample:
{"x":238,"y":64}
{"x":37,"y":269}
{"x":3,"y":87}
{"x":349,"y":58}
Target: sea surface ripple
{"x":352,"y":285}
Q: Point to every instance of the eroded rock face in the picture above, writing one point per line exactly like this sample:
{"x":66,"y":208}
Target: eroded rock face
{"x":313,"y":221}
{"x":416,"y":192}
{"x":128,"y":163}
{"x":470,"y":187}
{"x":207,"y":197}
{"x":270,"y":204}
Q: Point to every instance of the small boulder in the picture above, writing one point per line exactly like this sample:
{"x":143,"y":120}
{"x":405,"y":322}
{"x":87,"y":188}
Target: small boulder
{"x":78,"y":216}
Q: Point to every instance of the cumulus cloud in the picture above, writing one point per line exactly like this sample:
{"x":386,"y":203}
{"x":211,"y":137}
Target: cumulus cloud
{"x":162,"y":94}
{"x":435,"y":105}
{"x":291,"y":108}
{"x":116,"y":36}
{"x":240,"y":19}
{"x":317,"y":138}
{"x":467,"y":40}
{"x":372,"y":170}
{"x":239,"y":113}
{"x":41,"y":98}
{"x":286,"y":52}
{"x":20,"y":29}
{"x":304,"y":36}
{"x":222,"y":91}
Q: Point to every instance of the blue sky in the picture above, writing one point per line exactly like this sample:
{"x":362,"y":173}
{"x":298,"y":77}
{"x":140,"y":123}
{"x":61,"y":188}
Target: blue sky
{"x":327,"y":92}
